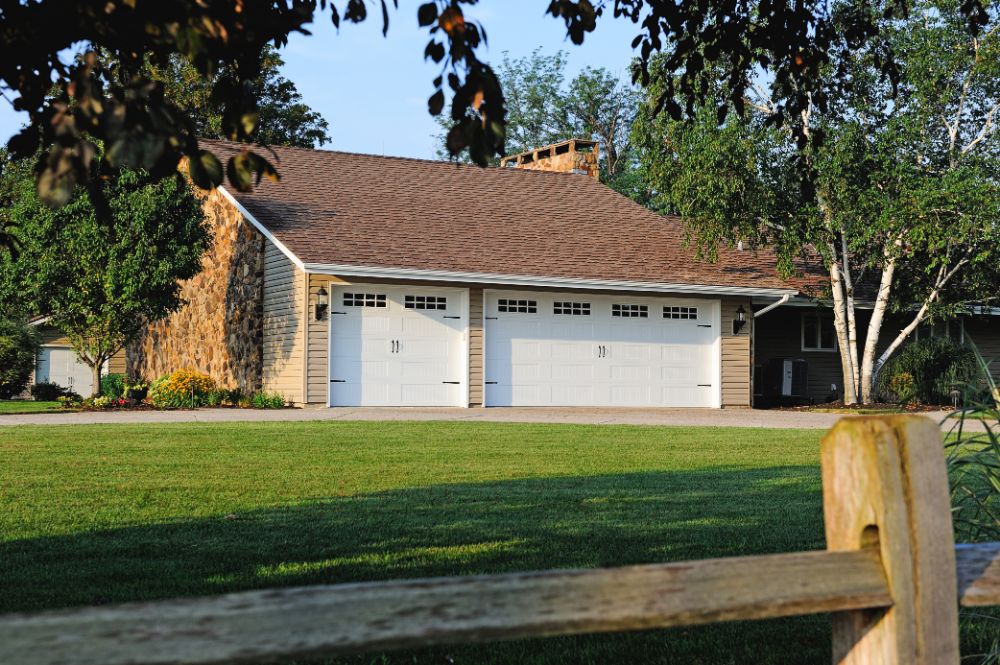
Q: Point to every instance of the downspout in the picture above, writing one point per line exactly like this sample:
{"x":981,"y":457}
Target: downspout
{"x":753,"y":340}
{"x":761,"y":312}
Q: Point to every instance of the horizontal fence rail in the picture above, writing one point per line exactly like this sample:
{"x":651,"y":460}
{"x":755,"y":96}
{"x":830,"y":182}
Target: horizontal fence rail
{"x":307,"y":621}
{"x":886,"y":576}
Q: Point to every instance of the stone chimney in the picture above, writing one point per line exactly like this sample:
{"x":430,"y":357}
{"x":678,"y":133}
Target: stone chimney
{"x":572,"y":156}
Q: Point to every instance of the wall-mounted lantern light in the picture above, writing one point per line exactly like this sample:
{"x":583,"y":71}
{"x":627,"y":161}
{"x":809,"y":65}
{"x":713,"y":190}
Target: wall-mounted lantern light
{"x":740,"y":320}
{"x":322,"y":302}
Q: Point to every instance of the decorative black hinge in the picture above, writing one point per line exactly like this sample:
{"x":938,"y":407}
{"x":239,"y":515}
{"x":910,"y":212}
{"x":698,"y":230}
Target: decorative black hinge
{"x":491,"y":318}
{"x":452,"y":317}
{"x":454,"y":383}
{"x":338,"y":312}
{"x":704,"y":385}
{"x":704,"y":325}
{"x":338,"y":380}
{"x":491,"y":383}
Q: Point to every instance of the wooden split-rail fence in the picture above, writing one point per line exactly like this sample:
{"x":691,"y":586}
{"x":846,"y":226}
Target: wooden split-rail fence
{"x":891,"y":576}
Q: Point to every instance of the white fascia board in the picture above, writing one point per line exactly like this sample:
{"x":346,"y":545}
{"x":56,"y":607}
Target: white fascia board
{"x":372,"y":272}
{"x":260,"y":227}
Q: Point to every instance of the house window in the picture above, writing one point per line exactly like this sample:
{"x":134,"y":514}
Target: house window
{"x":630,"y":311}
{"x":572,"y":308}
{"x":954,"y":329}
{"x":511,"y":306}
{"x":425,"y":302}
{"x":817,"y":332}
{"x":673,"y":312}
{"x":364,"y":300}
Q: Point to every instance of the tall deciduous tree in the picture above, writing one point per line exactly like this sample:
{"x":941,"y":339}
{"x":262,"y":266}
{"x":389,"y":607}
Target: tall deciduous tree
{"x":283,"y":118}
{"x":543,"y":108}
{"x":900,"y":200}
{"x":101,"y":279}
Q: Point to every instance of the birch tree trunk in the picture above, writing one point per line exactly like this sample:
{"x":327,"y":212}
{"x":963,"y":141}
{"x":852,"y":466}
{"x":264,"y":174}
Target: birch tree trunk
{"x":852,"y":327}
{"x":868,"y":372}
{"x":840,"y":325}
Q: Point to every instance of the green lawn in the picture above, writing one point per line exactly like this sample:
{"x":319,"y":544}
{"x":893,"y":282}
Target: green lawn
{"x":103,"y":514}
{"x":27,"y":406}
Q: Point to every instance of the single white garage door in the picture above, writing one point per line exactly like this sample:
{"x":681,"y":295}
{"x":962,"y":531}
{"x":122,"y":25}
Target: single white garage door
{"x":398,"y":346}
{"x":60,"y":365}
{"x":562,"y":349}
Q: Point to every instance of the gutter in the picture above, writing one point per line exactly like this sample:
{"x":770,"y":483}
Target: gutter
{"x":779,"y":303}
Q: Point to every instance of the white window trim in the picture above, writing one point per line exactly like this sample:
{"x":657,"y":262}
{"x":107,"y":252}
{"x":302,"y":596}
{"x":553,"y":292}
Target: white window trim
{"x":802,"y":334}
{"x":947,"y":323}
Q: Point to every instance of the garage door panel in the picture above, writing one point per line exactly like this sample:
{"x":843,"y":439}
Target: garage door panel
{"x":400,"y":350}
{"x":550,"y":357}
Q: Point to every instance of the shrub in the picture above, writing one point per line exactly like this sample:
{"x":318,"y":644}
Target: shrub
{"x":18,"y":349}
{"x":264,"y":400}
{"x":181,"y":389}
{"x":936,"y":367}
{"x":113,"y":385}
{"x":46,"y":391}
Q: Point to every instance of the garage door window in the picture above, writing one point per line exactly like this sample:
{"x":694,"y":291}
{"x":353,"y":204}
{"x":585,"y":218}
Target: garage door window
{"x":425,"y":302}
{"x":630,"y":311}
{"x":364,"y":300}
{"x":674,"y":312}
{"x":571,"y":308}
{"x":511,"y":306}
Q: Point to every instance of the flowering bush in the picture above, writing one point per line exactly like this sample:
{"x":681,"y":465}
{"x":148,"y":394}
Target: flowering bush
{"x":183,"y":388}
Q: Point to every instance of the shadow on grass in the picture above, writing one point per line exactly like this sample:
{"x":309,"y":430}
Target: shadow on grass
{"x":486,"y":527}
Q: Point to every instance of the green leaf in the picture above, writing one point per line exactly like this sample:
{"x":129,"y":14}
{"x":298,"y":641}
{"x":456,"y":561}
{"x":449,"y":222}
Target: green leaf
{"x":240,"y":173}
{"x":427,"y":14}
{"x":206,"y":170}
{"x":436,"y":103}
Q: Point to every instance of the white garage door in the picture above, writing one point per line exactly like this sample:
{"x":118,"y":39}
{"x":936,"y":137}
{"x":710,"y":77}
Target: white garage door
{"x":551,"y":349}
{"x":59,"y":364}
{"x":398,"y":346}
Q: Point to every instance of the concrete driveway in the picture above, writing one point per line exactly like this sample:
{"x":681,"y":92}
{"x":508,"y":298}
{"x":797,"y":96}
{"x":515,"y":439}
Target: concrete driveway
{"x":589,"y":416}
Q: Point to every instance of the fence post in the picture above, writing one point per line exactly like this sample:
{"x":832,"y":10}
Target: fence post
{"x":885,"y":485}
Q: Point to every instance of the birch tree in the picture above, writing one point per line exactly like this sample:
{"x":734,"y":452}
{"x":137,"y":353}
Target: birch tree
{"x":897,"y":202}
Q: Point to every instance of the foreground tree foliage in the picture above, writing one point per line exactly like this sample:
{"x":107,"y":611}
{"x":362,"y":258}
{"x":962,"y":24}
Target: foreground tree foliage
{"x":141,"y":128}
{"x":900,"y":202}
{"x":18,"y":350}
{"x":102,"y":278}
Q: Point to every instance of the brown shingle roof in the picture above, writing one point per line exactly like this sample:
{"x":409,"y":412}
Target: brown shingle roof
{"x":362,"y":210}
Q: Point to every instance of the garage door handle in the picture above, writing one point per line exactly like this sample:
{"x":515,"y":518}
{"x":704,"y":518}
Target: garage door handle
{"x":491,"y":383}
{"x":491,"y":318}
{"x":454,"y":383}
{"x":452,"y":317}
{"x":338,"y":380}
{"x":704,"y":385}
{"x":704,"y":325}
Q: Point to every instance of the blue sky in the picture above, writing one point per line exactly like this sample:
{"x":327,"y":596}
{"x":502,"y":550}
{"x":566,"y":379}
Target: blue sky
{"x":374,"y":91}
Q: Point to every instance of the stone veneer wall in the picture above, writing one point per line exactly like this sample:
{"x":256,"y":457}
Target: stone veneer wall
{"x":219,"y":329}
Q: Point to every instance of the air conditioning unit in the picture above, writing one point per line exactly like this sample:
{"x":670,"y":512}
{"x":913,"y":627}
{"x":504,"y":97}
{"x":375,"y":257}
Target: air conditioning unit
{"x":786,"y":377}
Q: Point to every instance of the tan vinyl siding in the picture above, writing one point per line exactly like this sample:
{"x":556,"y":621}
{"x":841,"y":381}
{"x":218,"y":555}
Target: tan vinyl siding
{"x":985,"y":333}
{"x":50,"y":336}
{"x":284,"y":339}
{"x":735,"y":355}
{"x":318,"y":367}
{"x":116,"y":365}
{"x":476,"y":349}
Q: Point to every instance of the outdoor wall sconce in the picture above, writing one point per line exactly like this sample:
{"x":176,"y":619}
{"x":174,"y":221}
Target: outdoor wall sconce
{"x":322,"y":302}
{"x":740,"y":320}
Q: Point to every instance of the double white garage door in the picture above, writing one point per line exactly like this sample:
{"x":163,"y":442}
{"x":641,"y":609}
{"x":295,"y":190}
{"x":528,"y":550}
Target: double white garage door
{"x":402,"y":346}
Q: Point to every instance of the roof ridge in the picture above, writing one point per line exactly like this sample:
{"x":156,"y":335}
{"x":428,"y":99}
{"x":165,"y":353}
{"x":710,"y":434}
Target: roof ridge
{"x":419,"y":160}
